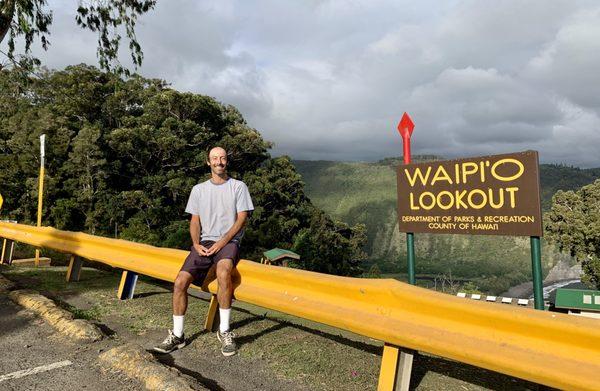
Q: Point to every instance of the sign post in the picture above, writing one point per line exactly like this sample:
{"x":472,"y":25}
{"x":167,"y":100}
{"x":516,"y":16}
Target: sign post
{"x":536,"y":267}
{"x":406,"y":127}
{"x":40,"y":191}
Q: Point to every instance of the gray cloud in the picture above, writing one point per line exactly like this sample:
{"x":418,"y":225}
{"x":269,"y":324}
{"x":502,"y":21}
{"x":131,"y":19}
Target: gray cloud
{"x":330,"y":79}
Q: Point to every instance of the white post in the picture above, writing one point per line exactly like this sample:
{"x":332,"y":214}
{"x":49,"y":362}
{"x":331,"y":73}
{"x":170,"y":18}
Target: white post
{"x":40,"y":190}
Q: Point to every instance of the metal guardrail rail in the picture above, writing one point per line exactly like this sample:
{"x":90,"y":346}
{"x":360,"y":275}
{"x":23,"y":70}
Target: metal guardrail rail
{"x":548,"y":348}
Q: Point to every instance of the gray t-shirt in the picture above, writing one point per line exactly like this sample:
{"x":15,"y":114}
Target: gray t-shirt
{"x":218,"y":205}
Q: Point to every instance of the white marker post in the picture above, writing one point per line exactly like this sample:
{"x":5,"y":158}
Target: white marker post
{"x":40,"y":190}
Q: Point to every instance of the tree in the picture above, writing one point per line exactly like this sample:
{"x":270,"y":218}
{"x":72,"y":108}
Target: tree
{"x":86,"y":172}
{"x":281,"y":206}
{"x":32,"y":18}
{"x":574,"y":224}
{"x":329,"y":246}
{"x":123,"y":155}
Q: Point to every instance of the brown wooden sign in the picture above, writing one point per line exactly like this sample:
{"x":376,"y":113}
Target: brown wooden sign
{"x":488,"y":195}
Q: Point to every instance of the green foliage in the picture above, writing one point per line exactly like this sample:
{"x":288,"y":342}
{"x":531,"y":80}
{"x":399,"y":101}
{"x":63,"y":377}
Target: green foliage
{"x":574,"y":224}
{"x":470,"y":288}
{"x":281,"y":207}
{"x":554,"y":177}
{"x":123,"y":155}
{"x":374,"y":272}
{"x":334,"y":241}
{"x":106,"y":18}
{"x":27,"y":18}
{"x":32,"y":18}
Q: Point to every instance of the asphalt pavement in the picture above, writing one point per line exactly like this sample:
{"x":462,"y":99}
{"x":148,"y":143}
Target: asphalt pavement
{"x":34,"y":356}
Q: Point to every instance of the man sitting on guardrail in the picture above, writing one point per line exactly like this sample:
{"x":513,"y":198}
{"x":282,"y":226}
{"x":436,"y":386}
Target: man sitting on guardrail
{"x":219,"y":209}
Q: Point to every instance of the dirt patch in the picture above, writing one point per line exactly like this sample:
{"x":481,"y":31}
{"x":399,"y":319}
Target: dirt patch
{"x":135,"y":362}
{"x":6,"y":284}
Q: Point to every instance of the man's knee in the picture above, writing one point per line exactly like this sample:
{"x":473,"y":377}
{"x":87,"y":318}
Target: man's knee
{"x":182,"y":282}
{"x":224,"y":269}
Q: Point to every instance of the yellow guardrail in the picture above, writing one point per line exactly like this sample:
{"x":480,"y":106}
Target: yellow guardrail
{"x":549,"y":348}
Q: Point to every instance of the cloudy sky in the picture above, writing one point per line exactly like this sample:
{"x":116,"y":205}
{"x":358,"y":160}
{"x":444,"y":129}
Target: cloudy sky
{"x":330,"y":79}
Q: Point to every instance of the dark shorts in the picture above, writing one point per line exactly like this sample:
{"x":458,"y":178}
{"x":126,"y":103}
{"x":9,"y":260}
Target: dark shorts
{"x":198,"y":265}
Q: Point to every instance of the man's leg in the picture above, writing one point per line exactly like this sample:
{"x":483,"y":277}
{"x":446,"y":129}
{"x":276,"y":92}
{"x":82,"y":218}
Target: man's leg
{"x":180,"y":300}
{"x":225,"y":292}
{"x":224,"y":295}
{"x":194,"y":268}
{"x":226,"y":259}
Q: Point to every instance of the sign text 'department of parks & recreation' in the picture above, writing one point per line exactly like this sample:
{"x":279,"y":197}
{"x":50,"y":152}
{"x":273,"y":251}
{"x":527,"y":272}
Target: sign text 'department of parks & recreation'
{"x":490,"y":195}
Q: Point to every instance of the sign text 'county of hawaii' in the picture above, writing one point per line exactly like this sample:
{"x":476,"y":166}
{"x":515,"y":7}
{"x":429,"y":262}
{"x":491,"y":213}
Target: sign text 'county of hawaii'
{"x":488,"y":195}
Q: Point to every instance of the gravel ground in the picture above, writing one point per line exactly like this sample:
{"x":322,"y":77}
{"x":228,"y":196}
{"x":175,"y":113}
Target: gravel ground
{"x":27,"y":342}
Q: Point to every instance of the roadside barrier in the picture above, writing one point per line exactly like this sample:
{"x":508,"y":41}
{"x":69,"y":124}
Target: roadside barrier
{"x":548,"y":348}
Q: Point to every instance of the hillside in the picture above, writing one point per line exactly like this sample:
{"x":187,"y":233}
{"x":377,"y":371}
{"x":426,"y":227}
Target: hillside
{"x":555,"y":177}
{"x":359,"y":192}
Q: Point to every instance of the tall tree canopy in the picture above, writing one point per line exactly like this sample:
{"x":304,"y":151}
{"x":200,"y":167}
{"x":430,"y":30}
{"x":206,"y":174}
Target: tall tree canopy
{"x":123,"y":154}
{"x":32,"y":18}
{"x":574,"y":223}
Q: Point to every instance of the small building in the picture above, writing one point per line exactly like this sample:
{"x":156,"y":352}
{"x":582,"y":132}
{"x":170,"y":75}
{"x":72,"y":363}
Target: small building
{"x":279,"y":257}
{"x":583,"y":302}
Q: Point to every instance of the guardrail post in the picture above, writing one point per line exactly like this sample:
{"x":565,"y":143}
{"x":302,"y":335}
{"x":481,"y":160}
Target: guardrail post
{"x":396,"y":368}
{"x":127,"y":285}
{"x":3,"y":250}
{"x":8,"y":247}
{"x":74,"y":271}
{"x":212,"y":318}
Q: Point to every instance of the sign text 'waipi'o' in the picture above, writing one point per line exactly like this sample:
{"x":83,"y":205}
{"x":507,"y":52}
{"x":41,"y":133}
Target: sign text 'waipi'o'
{"x":490,"y":195}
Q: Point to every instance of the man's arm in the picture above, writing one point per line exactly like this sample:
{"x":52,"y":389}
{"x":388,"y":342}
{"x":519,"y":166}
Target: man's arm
{"x":235,"y":228}
{"x":195,"y":229}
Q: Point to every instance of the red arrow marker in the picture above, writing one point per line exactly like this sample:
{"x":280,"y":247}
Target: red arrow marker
{"x":406,"y":127}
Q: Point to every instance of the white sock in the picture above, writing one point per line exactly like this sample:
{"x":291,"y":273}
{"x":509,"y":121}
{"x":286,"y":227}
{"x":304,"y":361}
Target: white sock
{"x":224,"y":315}
{"x":178,"y":325}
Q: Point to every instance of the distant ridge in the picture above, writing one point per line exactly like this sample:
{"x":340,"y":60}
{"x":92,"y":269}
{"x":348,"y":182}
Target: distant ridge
{"x":553,"y":177}
{"x":395,"y":161}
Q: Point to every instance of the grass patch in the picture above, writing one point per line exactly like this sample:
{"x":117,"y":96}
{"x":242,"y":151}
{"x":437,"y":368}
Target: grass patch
{"x":91,"y":314}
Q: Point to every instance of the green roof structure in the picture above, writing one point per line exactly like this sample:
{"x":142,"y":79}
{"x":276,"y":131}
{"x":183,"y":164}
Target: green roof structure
{"x":581,"y":299}
{"x":276,"y":254}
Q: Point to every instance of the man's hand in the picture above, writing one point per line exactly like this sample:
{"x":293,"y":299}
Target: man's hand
{"x":201,"y":249}
{"x":216,"y":247}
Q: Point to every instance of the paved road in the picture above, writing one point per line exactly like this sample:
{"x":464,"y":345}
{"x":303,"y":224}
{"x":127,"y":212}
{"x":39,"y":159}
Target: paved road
{"x":33,"y":356}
